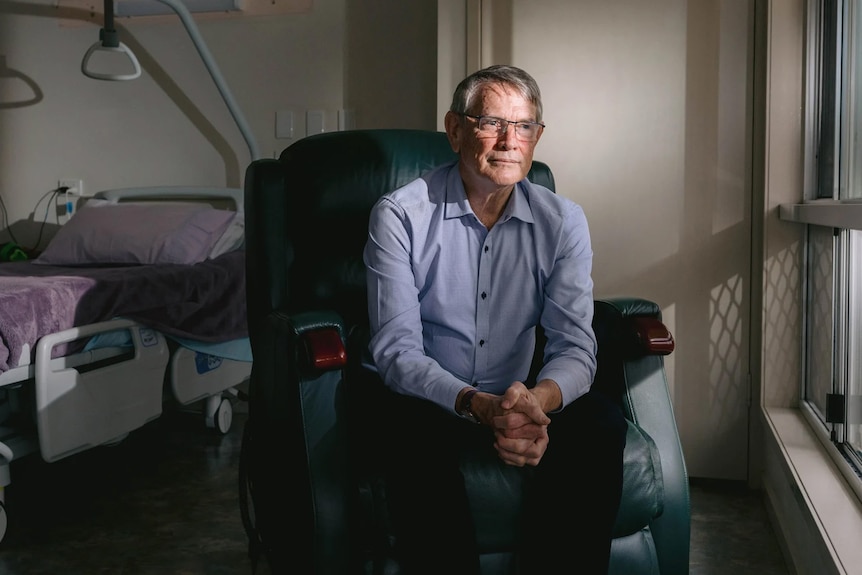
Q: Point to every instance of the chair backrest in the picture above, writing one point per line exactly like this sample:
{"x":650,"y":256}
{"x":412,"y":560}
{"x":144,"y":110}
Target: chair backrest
{"x":304,"y":250}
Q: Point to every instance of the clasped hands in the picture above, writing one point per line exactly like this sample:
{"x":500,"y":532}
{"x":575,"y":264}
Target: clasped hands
{"x":519,"y":422}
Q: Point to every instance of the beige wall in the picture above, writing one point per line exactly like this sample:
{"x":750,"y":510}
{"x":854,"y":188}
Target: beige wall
{"x":783,"y":183}
{"x":170,"y":126}
{"x":647,"y":106}
{"x":391,"y":63}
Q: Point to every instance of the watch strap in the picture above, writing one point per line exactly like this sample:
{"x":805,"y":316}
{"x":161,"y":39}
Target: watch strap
{"x":466,"y":409}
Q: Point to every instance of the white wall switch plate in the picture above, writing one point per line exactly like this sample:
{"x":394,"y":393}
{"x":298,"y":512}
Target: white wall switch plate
{"x":284,"y":124}
{"x":314,"y":122}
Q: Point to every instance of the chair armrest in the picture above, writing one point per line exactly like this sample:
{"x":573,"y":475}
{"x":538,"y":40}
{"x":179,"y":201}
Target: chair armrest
{"x":632,"y":344}
{"x":308,"y":353}
{"x":630,"y":327}
{"x":651,"y":336}
{"x":318,"y":337}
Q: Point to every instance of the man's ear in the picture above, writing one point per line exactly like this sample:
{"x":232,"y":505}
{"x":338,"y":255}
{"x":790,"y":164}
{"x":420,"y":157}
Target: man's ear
{"x":539,"y":137}
{"x":454,"y":130}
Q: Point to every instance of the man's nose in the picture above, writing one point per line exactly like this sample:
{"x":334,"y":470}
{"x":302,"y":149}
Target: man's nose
{"x":508,"y":134}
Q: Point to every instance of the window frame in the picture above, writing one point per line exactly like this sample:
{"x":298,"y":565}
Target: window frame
{"x":829,"y":202}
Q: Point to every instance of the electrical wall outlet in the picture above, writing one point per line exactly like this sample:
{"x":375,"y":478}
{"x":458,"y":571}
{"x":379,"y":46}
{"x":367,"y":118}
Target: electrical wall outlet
{"x":75,"y":185}
{"x":67,"y":201}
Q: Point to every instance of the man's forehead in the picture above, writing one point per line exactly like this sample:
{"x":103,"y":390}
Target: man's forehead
{"x":493,"y":95}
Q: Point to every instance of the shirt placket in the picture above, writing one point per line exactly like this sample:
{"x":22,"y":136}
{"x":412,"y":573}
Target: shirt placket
{"x":483,"y":311}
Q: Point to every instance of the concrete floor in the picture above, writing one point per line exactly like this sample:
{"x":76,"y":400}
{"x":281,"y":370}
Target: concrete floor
{"x":164,"y":501}
{"x":731,"y":532}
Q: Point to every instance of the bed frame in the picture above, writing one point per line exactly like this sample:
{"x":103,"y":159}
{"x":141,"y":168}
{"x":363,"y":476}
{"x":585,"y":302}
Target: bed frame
{"x":197,"y":375}
{"x":98,"y":396}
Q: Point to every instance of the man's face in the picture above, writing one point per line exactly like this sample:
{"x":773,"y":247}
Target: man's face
{"x":503,"y":160}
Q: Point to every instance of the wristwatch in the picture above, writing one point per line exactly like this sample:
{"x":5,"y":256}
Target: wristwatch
{"x":466,"y":410}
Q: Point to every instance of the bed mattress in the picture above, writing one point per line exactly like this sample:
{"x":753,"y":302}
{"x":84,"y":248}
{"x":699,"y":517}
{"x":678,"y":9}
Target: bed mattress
{"x":203,"y":302}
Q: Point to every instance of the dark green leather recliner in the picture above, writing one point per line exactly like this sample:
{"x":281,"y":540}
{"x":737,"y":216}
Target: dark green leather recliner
{"x":310,"y":498}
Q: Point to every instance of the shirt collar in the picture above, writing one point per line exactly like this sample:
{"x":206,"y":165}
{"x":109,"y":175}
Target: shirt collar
{"x":457,"y":205}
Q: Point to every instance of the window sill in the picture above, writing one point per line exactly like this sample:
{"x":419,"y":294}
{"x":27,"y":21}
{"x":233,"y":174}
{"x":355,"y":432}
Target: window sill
{"x":845,"y":214}
{"x":818,"y":515}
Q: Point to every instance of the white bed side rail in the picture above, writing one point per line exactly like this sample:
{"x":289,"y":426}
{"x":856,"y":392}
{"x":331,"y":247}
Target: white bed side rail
{"x":77,"y":409}
{"x":196,"y":375}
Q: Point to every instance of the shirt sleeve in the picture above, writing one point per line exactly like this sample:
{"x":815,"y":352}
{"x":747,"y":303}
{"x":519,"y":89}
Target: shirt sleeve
{"x":570,"y":351}
{"x":394,"y":312}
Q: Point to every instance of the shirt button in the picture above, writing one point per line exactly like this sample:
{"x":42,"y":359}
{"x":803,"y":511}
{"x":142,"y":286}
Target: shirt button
{"x":486,"y":249}
{"x":484,"y":295}
{"x":481,"y":342}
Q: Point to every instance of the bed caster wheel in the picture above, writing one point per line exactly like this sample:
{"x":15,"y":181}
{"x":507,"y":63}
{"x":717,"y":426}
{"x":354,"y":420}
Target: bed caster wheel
{"x":219,"y":414}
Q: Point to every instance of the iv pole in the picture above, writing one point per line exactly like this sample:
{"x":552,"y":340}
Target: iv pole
{"x":108,"y":41}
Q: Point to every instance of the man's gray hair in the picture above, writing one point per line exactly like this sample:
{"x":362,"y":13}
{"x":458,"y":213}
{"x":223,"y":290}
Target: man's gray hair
{"x":465,"y":94}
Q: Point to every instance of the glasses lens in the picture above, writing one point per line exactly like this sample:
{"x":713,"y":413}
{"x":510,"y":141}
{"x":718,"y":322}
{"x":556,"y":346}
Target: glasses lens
{"x":526,"y":131}
{"x":491,"y":127}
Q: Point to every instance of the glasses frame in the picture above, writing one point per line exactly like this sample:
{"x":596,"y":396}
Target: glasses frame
{"x":504,"y":127}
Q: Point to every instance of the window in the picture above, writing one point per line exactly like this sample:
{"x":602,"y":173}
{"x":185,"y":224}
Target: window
{"x":832,"y":210}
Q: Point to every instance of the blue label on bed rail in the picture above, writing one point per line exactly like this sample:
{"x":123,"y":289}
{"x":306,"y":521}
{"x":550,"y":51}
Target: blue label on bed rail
{"x":205,"y":362}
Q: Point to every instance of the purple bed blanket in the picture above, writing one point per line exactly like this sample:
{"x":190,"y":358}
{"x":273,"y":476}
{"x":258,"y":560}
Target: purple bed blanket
{"x":204,"y":302}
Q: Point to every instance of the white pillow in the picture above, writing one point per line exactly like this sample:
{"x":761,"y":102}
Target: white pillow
{"x":137,"y":233}
{"x":233,"y":237}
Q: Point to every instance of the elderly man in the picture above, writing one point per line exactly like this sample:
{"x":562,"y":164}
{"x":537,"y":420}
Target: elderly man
{"x":463,"y":264}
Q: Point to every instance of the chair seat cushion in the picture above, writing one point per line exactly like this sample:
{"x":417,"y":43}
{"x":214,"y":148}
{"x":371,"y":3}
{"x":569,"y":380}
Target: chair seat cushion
{"x":643,"y":491}
{"x":494,"y":490}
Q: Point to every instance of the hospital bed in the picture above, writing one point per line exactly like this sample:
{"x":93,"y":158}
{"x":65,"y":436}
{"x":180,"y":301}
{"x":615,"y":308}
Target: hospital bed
{"x":137,"y":303}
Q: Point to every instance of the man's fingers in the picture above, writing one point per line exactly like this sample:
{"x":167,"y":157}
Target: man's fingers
{"x":530,"y":431}
{"x":511,"y":420}
{"x":521,"y":452}
{"x":512,"y":396}
{"x":519,"y":459}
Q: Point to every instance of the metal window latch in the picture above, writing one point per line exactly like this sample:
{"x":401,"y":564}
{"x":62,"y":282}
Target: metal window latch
{"x":844,"y":408}
{"x":835,"y":408}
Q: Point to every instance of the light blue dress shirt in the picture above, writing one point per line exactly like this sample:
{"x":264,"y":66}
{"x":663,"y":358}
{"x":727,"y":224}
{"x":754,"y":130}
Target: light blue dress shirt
{"x":451,"y":303}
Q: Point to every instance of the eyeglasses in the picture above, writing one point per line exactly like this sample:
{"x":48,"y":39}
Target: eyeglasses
{"x":491,"y":127}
